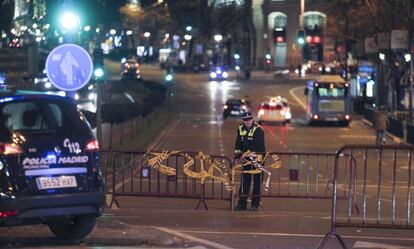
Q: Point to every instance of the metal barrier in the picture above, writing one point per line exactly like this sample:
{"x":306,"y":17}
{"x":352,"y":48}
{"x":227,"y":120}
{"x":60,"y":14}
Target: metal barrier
{"x":381,"y":184}
{"x":300,"y":175}
{"x":166,"y":174}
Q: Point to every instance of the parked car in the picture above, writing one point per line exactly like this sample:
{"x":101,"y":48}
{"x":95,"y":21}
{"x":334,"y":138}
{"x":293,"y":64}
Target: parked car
{"x":86,"y":94}
{"x":49,"y":169}
{"x":42,"y":84}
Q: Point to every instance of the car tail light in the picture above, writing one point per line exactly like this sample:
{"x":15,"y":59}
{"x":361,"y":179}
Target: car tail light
{"x":244,"y":107}
{"x":92,"y":145}
{"x":261,"y":112}
{"x":315,"y":116}
{"x":10,"y":149}
{"x":6,"y":214}
{"x":225,"y":107}
{"x":347,"y":117}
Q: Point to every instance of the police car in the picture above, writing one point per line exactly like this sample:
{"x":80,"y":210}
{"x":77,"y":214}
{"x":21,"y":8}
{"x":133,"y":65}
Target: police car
{"x":49,"y":170}
{"x":218,"y":73}
{"x":276,"y":109}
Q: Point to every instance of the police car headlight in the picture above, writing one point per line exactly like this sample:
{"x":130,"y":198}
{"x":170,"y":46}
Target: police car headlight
{"x":213,"y":75}
{"x":225,"y":74}
{"x":76,"y":96}
{"x":92,"y":96}
{"x":48,"y":85}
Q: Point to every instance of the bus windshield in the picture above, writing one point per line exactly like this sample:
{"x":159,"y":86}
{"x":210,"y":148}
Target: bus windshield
{"x":331,"y":92}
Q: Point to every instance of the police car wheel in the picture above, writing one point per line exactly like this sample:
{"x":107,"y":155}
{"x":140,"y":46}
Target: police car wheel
{"x":72,"y":229}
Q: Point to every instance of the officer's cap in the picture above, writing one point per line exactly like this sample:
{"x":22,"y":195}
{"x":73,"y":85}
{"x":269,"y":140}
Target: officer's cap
{"x":247,"y":116}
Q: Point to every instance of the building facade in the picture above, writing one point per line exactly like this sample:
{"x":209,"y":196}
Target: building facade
{"x":277,"y":32}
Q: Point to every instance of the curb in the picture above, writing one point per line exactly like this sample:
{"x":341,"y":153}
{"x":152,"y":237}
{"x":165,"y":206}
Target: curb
{"x":389,"y":135}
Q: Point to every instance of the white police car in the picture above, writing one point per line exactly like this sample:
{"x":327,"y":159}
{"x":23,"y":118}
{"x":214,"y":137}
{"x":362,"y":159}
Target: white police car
{"x":49,"y":165}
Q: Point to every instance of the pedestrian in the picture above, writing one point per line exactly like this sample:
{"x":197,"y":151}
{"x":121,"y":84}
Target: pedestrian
{"x":250,"y":137}
{"x":380,"y":124}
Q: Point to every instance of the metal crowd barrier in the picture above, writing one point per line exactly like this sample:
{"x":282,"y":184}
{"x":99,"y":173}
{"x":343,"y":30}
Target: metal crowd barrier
{"x":300,"y":175}
{"x":165,"y":174}
{"x":381,"y":183}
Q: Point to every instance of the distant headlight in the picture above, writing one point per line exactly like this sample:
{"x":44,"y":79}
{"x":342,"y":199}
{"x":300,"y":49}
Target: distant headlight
{"x":225,"y":74}
{"x":76,"y":96}
{"x":213,"y":75}
{"x":40,"y":80}
{"x":92,"y":96}
{"x":48,"y":85}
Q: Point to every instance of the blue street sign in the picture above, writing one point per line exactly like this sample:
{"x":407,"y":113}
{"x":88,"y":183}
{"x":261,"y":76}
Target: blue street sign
{"x":69,"y":67}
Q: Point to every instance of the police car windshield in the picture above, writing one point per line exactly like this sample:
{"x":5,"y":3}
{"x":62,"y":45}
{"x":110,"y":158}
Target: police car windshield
{"x":39,"y":116}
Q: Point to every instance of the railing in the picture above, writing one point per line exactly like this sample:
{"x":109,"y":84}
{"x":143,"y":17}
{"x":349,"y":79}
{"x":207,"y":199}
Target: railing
{"x":381,"y":185}
{"x":166,"y":174}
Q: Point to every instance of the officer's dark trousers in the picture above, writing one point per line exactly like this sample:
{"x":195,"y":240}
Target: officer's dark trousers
{"x":245,"y":188}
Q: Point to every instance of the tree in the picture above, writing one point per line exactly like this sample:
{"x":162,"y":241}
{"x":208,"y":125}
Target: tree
{"x":6,"y":15}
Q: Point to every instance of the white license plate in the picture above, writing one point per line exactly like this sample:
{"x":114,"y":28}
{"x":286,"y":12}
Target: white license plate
{"x":331,"y":119}
{"x":235,"y":112}
{"x":56,"y":182}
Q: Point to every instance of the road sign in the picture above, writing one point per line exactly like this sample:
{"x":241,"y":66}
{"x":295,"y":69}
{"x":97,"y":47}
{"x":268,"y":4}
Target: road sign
{"x":69,"y":67}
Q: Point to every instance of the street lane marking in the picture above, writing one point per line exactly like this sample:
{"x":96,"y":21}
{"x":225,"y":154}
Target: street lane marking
{"x":296,"y":235}
{"x":193,"y":238}
{"x":363,"y":244}
{"x":291,"y":92}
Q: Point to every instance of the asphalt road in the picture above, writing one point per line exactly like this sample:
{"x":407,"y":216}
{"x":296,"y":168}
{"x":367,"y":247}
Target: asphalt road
{"x":281,"y":223}
{"x":287,"y":223}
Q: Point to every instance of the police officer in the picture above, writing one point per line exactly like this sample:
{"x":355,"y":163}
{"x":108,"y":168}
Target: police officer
{"x":250,"y":137}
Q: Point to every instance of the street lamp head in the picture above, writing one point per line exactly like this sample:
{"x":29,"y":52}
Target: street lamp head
{"x":407,"y":57}
{"x":112,"y":32}
{"x":188,"y":28}
{"x":147,"y":34}
{"x":70,"y":20}
{"x":218,"y":38}
{"x":129,"y":32}
{"x":381,"y":56}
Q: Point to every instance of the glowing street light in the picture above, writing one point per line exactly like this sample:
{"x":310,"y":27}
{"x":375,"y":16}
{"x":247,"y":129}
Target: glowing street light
{"x":187,"y":37}
{"x":69,"y":20}
{"x":87,"y":28}
{"x":407,"y":57}
{"x":381,"y":56}
{"x":129,"y":32}
{"x":112,"y":32}
{"x":147,"y":34}
{"x":188,"y":28}
{"x":218,"y":38}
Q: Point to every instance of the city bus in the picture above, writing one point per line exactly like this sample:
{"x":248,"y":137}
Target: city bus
{"x":328,"y":99}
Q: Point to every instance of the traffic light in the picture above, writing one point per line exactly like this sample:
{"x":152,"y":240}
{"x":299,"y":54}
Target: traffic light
{"x":300,"y":38}
{"x":314,"y":36}
{"x":279,"y":35}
